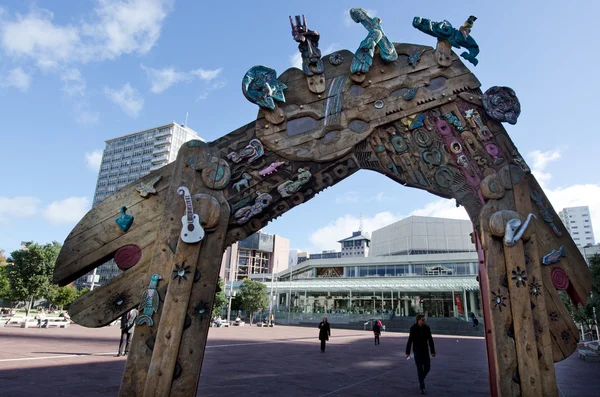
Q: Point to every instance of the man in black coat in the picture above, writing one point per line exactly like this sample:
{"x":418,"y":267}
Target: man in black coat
{"x":421,"y":340}
{"x":324,"y":333}
{"x":127,"y":323}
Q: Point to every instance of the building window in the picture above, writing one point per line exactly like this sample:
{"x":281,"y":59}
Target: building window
{"x":575,"y":232}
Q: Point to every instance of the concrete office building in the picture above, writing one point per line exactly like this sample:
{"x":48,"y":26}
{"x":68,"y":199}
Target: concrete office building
{"x":256,"y":255}
{"x":419,"y":264}
{"x":578,"y":222}
{"x":126,"y":159}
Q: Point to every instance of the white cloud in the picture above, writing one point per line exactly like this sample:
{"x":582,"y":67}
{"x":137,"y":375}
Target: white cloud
{"x":20,"y":206}
{"x":162,"y":79}
{"x":441,"y":208}
{"x":202,"y":96}
{"x":348,"y":20}
{"x":128,"y":98}
{"x":296,"y":60}
{"x":118,"y":27}
{"x":206,"y":75}
{"x":69,"y":210}
{"x":348,"y":197}
{"x":73,"y":82}
{"x":93,"y":160}
{"x":17,"y":78}
{"x":327,"y":237}
{"x":35,"y":36}
{"x":540,"y":161}
{"x":85,"y":116}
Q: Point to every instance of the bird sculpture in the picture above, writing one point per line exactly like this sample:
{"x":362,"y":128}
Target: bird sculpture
{"x":149,"y":304}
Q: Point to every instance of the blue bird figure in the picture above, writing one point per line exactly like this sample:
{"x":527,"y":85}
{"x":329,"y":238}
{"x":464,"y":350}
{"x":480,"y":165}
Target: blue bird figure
{"x":149,"y":304}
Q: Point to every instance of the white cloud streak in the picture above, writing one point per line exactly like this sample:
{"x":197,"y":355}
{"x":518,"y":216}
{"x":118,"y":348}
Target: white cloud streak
{"x":118,"y":27}
{"x":69,"y":210}
{"x":93,"y":160}
{"x":162,"y":79}
{"x":18,"y":79}
{"x":20,"y":206}
{"x":127,"y":98}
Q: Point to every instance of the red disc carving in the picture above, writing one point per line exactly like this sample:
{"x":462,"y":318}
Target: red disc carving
{"x":560,"y":278}
{"x":128,"y":256}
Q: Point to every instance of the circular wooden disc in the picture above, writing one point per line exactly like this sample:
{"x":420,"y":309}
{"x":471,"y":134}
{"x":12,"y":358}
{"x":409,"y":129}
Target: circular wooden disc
{"x":128,"y":256}
{"x":560,"y":278}
{"x":217,"y":175}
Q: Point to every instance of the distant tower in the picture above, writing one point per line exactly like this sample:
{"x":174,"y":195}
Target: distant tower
{"x":360,"y":225}
{"x":578,"y":222}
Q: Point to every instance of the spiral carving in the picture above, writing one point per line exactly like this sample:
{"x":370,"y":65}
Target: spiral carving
{"x":560,"y":278}
{"x":128,"y":256}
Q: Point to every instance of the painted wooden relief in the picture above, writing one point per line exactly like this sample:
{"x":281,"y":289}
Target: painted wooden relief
{"x":414,"y":114}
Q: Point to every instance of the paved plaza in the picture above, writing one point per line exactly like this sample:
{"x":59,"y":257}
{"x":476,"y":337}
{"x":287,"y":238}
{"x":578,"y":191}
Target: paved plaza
{"x":253,"y":361}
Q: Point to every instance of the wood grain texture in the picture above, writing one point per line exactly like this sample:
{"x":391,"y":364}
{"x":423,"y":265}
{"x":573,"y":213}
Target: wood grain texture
{"x":144,"y":338}
{"x":541,"y":328}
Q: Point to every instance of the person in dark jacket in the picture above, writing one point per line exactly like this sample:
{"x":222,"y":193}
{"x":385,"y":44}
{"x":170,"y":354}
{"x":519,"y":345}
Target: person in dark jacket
{"x":324,"y":333}
{"x":127,"y":323}
{"x":377,"y":331}
{"x":421,"y":341}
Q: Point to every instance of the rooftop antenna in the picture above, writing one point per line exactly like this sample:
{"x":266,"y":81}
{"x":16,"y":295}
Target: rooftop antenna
{"x":186,"y":117}
{"x":360,"y":225}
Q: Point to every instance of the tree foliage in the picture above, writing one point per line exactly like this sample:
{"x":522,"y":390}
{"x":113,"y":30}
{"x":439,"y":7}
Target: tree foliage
{"x":220,"y":298}
{"x":584,"y":315}
{"x":3,"y":258}
{"x":253,"y":296}
{"x":63,"y":296}
{"x":4,"y":284}
{"x":31,"y":271}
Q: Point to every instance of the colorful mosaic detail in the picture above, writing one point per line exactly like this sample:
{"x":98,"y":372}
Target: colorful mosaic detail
{"x":260,"y":86}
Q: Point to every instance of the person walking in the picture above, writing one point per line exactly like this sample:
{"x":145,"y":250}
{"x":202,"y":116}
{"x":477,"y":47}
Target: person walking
{"x":127,"y":323}
{"x":324,"y":333}
{"x":474,"y":321}
{"x":421,"y":341}
{"x":377,"y":331}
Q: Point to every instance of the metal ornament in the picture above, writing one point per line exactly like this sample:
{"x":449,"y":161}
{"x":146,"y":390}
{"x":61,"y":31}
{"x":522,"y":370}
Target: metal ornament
{"x":308,"y":44}
{"x":150,"y":301}
{"x":498,"y":300}
{"x":124,"y":220}
{"x":146,"y":189}
{"x":554,"y":256}
{"x":520,"y":276}
{"x":336,"y":59}
{"x":180,"y":272}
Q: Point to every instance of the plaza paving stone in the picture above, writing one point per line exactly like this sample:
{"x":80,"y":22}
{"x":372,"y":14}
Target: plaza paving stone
{"x":253,"y":361}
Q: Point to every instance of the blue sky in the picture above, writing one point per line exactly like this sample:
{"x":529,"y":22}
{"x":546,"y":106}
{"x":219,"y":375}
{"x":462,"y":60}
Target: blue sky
{"x":73,"y":74}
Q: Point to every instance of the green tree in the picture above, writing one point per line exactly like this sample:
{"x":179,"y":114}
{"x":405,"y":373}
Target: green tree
{"x":4,"y":284}
{"x":220,"y":298}
{"x":2,"y":258}
{"x":31,"y":271}
{"x":63,"y":296}
{"x":82,"y":292}
{"x":253,"y":296}
{"x":584,"y":315}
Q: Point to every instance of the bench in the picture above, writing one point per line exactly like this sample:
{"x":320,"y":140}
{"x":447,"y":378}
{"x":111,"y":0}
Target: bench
{"x":13,"y":320}
{"x":225,"y":324}
{"x":52,"y":322}
{"x":587,"y":355}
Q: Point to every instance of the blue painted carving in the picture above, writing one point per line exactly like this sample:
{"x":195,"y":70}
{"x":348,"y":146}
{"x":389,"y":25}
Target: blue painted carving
{"x":150,"y":301}
{"x":544,"y":211}
{"x":252,"y":151}
{"x":336,"y":59}
{"x":288,"y":188}
{"x":554,"y":256}
{"x":363,"y":58}
{"x":260,"y":86}
{"x":308,"y":44}
{"x":399,"y":144}
{"x":409,"y":94}
{"x":124,"y":220}
{"x":452,"y":119}
{"x":413,"y":59}
{"x":263,"y":200}
{"x":502,"y":104}
{"x":444,"y":31}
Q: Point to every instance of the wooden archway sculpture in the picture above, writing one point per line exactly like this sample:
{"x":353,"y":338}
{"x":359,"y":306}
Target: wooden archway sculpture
{"x":421,"y":120}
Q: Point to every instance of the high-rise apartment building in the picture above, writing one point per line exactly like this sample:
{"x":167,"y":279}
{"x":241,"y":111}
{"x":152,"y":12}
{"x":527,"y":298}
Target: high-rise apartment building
{"x":128,"y":158}
{"x":133,"y":156}
{"x":578,"y":222}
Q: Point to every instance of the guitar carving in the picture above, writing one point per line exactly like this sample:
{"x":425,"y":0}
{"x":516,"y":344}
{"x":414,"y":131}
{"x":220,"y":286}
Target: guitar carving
{"x":191,"y":232}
